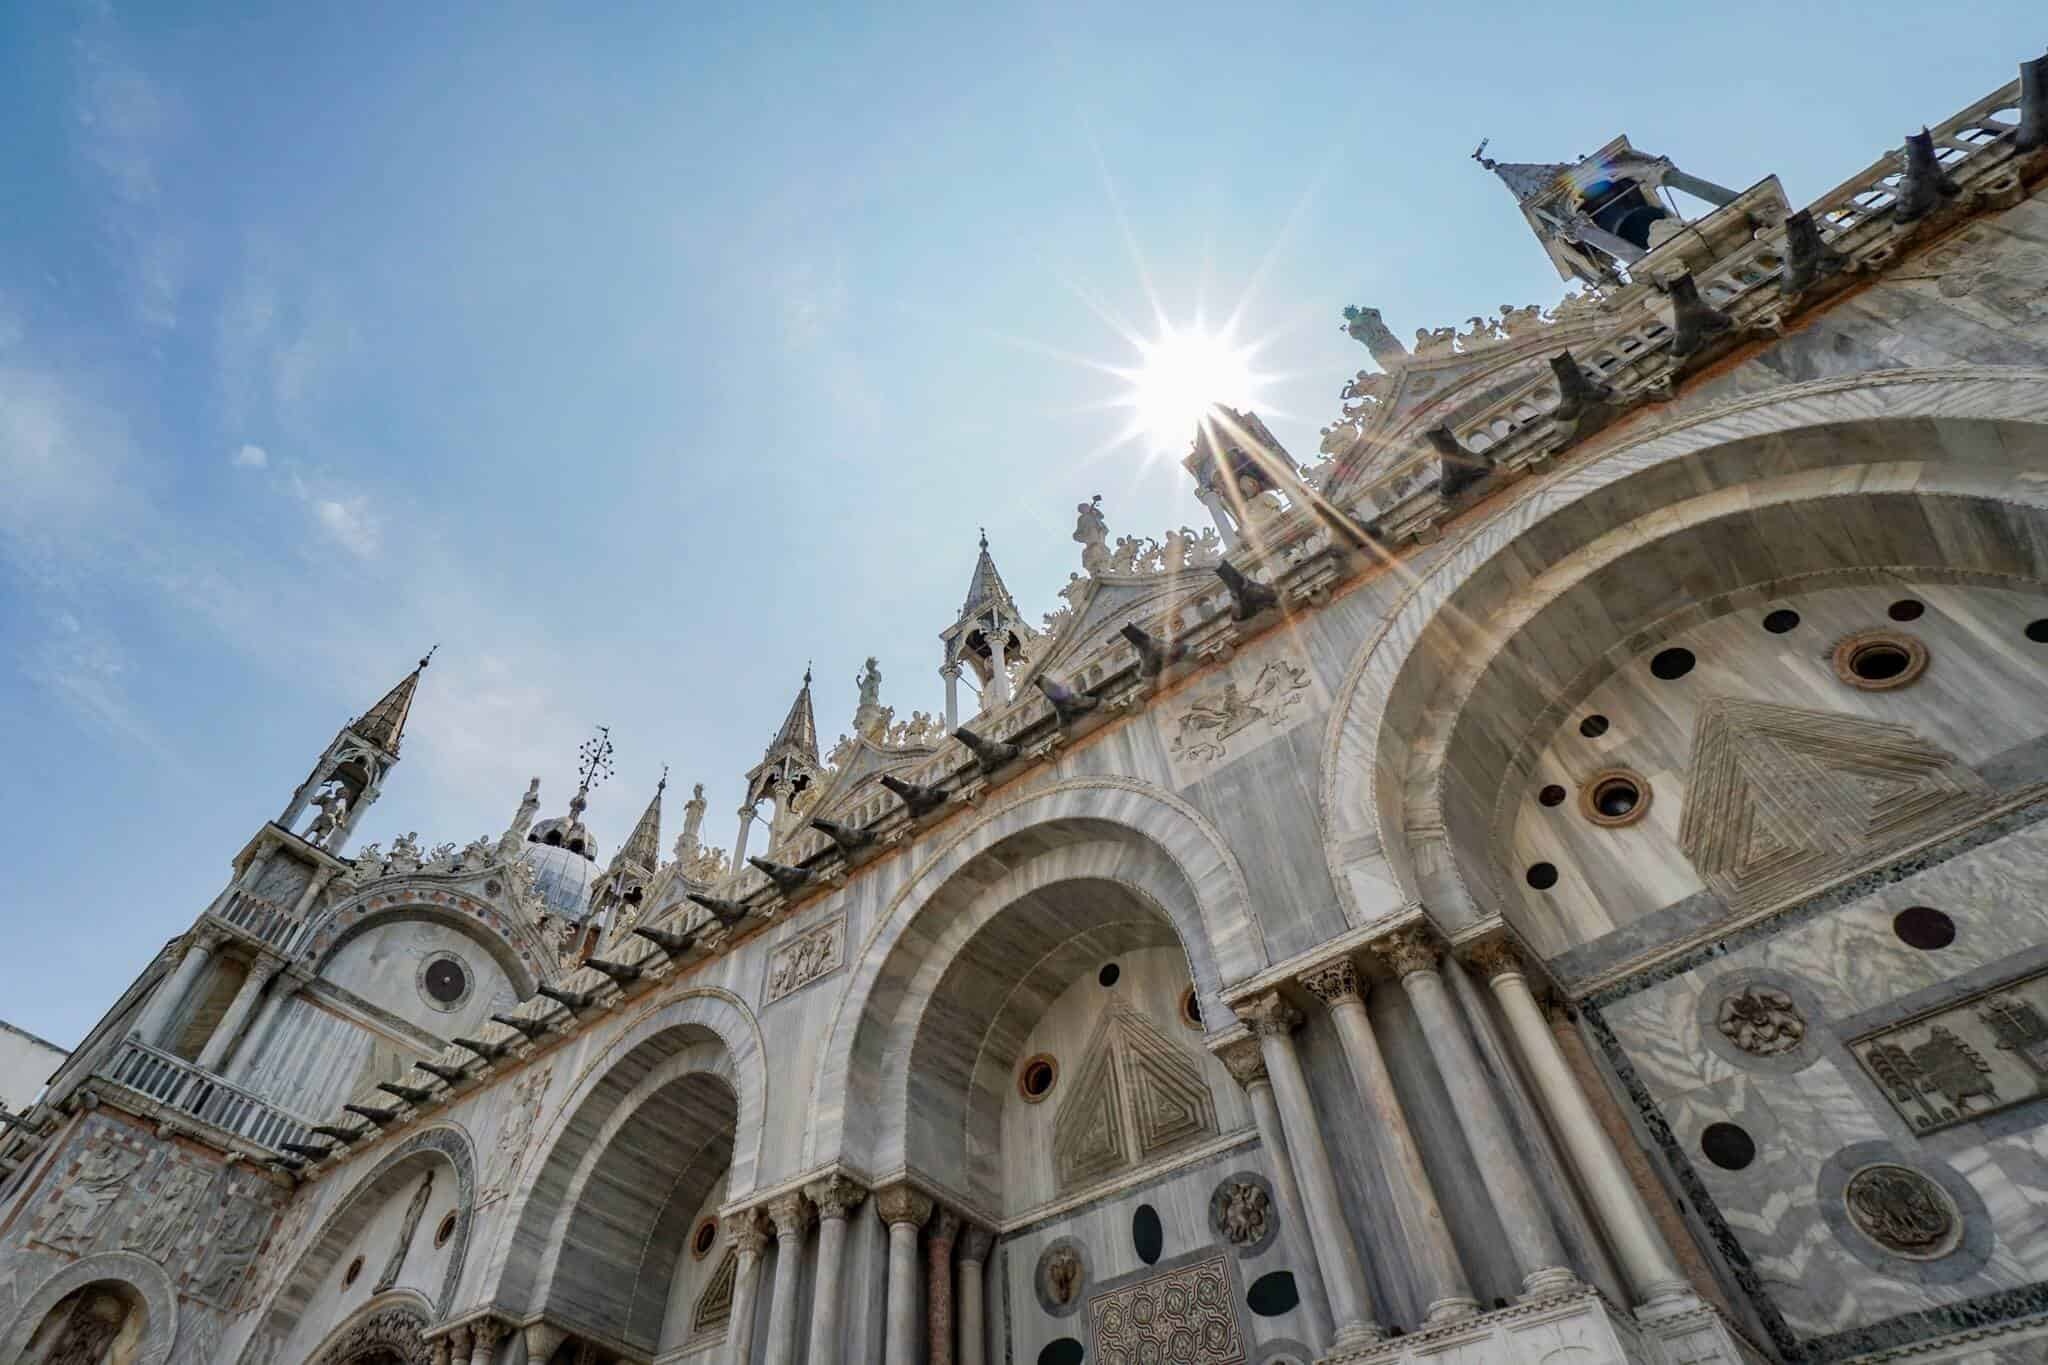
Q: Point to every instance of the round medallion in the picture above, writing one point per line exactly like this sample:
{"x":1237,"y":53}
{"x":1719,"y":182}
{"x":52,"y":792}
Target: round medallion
{"x":1243,"y":1214}
{"x":1902,"y":1211}
{"x":1615,"y":797}
{"x":1060,"y":1276}
{"x":1879,"y":660}
{"x":444,"y":981}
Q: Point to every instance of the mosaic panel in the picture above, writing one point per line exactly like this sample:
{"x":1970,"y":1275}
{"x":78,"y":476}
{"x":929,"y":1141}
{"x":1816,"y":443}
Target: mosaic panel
{"x":1183,"y":1316}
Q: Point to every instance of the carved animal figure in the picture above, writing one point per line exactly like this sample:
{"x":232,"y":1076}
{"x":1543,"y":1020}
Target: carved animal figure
{"x":1062,"y":1275}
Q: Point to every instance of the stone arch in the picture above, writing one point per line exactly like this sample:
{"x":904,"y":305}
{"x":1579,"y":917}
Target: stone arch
{"x":444,"y":1144}
{"x":512,"y":943}
{"x":1171,"y":879}
{"x":393,"y":1324}
{"x":135,"y":1275}
{"x":1908,"y":434}
{"x":705,"y":1032}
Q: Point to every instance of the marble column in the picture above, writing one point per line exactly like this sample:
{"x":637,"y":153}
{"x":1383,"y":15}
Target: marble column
{"x":1425,"y":1234}
{"x":975,"y":1244}
{"x":1653,"y":1275}
{"x":999,"y":667}
{"x":835,"y":1198}
{"x":312,"y":892}
{"x":444,"y":1351}
{"x":1525,"y":1222}
{"x":904,"y":1210}
{"x":1273,"y":1021}
{"x":938,"y":1292}
{"x":283,"y":987}
{"x":739,"y":848}
{"x":951,"y":673}
{"x":484,"y":1335}
{"x":1247,"y":1066}
{"x":458,"y":1345}
{"x":791,"y":1215}
{"x":748,"y":1239}
{"x":543,"y":1339}
{"x":172,"y":991}
{"x":257,"y":862}
{"x":230,"y":1026}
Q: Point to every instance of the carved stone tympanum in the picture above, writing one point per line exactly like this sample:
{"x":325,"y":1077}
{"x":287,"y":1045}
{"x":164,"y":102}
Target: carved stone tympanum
{"x":1902,"y":1211}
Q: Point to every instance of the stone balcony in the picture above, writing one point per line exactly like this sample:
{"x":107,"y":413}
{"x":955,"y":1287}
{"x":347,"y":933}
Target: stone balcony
{"x":172,"y":1087}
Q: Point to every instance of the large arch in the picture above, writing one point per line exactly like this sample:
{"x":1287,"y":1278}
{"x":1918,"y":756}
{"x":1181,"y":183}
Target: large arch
{"x":512,"y":943}
{"x":984,"y":933}
{"x":1909,"y":435}
{"x":135,"y":1276}
{"x":444,"y":1145}
{"x":694,"y":1057}
{"x":389,"y":1327}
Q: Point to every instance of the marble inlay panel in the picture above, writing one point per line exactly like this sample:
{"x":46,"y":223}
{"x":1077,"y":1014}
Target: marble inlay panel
{"x":1976,"y":1056}
{"x":1186,"y":1315}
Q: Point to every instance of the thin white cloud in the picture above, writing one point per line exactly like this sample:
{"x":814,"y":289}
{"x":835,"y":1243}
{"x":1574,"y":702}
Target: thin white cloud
{"x":123,"y":122}
{"x":349,"y":524}
{"x":250,"y":457}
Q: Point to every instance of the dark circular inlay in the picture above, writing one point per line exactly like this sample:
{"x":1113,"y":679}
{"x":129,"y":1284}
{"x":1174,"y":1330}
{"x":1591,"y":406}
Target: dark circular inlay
{"x":1552,"y":795}
{"x":704,"y":1239}
{"x":1906,"y":609}
{"x":1272,"y":1294}
{"x":1109,"y":973}
{"x":1616,"y":797}
{"x":1673,"y":663}
{"x":1191,"y":1008}
{"x":1542,"y":876}
{"x":445,"y":980}
{"x":1781,"y":620}
{"x":2037,"y":631}
{"x":1924,"y":927}
{"x":1037,"y":1077}
{"x":355,"y":1268}
{"x":1062,"y":1351}
{"x":1592,"y":727}
{"x":1728,"y":1146}
{"x":445,"y":1231}
{"x":1148,"y":1238}
{"x":1879,"y":660}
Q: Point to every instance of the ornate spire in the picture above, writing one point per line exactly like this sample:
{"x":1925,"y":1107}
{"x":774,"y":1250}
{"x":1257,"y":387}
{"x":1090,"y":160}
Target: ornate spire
{"x":792,"y":756}
{"x":986,"y":591}
{"x":799,"y":732}
{"x":1524,"y":179}
{"x":384,"y":724}
{"x":642,"y":849}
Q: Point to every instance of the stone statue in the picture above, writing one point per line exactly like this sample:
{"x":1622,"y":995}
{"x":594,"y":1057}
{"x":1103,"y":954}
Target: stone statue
{"x":1091,"y":533}
{"x":369,"y":866}
{"x":441,"y":859}
{"x":332,"y":805}
{"x":1173,"y":554}
{"x":1062,"y":1275}
{"x":1245,"y":1208}
{"x":1515,"y":322}
{"x":1485,"y":332}
{"x":414,"y":1211}
{"x":1366,"y":328}
{"x":1258,"y":505}
{"x":522,"y":820}
{"x":475,"y":854}
{"x":1434,"y":341}
{"x":405,"y":854}
{"x":870,"y":682}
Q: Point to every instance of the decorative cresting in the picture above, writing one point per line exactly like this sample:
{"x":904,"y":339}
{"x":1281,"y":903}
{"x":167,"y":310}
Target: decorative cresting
{"x":136,"y":1274}
{"x":389,"y":1333}
{"x":1781,"y":799}
{"x":1801,"y":424}
{"x":1135,"y":1095}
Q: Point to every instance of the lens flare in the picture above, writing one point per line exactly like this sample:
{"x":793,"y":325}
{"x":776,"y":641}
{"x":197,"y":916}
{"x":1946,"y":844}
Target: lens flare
{"x":1179,"y":378}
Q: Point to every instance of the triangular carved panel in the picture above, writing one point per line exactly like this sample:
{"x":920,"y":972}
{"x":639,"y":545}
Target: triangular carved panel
{"x":714,"y":1305}
{"x":1782,"y":800}
{"x":1088,"y":1132}
{"x":1135,"y":1096}
{"x":1169,"y":1099}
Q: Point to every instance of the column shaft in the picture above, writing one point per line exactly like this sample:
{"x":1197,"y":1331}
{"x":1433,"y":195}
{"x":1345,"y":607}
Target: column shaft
{"x":739,"y":1332}
{"x":1248,"y":1067}
{"x":825,"y":1342}
{"x":904,"y":1210}
{"x":1425,"y":1233}
{"x":245,"y":1056}
{"x":792,"y":1216}
{"x":975,"y":1244}
{"x":1273,"y":1020}
{"x":1652,"y":1274}
{"x":938,"y":1293}
{"x":1524,"y":1221}
{"x":230,"y":1026}
{"x":163,"y":1005}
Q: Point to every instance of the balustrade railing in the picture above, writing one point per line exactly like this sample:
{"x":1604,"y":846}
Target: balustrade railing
{"x":263,"y":919}
{"x":177,"y":1084}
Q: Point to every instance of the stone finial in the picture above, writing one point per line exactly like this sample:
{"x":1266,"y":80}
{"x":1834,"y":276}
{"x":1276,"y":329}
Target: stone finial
{"x":835,"y":1196}
{"x":1408,"y":951}
{"x":1269,"y":1016}
{"x":746,"y":1232}
{"x":791,"y":1213}
{"x":975,"y":1244}
{"x":1244,"y":1061}
{"x":1495,"y":957}
{"x":902,"y":1204}
{"x":1334,"y":983}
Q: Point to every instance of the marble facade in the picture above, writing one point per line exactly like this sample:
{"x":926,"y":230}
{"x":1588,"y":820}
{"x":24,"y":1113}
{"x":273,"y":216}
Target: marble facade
{"x":1557,"y":879}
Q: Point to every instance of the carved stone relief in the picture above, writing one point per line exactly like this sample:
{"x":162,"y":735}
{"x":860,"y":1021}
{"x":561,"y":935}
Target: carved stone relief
{"x":230,"y":1246}
{"x":394,"y":1333}
{"x":1062,"y":1272}
{"x":1902,"y":1211}
{"x":1760,"y":1021}
{"x":1135,"y":1094}
{"x":1782,"y":799}
{"x":1203,"y":731}
{"x":170,"y":1211}
{"x":714,"y":1305}
{"x":1243,"y":1214}
{"x":394,"y":1263}
{"x":106,"y":1164}
{"x":810,"y":956}
{"x":1187,"y":1315}
{"x":1973,"y":1057}
{"x":515,"y":1132}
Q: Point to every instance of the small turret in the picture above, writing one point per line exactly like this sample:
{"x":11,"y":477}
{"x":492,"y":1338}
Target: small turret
{"x":988,"y":636}
{"x":350,"y":773}
{"x":786,"y":771}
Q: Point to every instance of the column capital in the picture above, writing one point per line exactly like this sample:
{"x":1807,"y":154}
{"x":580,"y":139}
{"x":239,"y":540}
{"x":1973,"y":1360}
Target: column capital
{"x":836,"y":1196}
{"x":1269,"y":1016}
{"x":1408,"y":951}
{"x":485,"y":1334}
{"x":975,"y":1243}
{"x":745,"y":1233}
{"x":1495,"y":957}
{"x":443,"y":1350}
{"x":543,"y":1339}
{"x":459,"y":1339}
{"x":945,"y":1227}
{"x":950,"y":669}
{"x":791,"y":1213}
{"x":1334,"y":983}
{"x":902,"y":1204}
{"x":207,"y":938}
{"x":1246,"y":1064}
{"x":265,"y":966}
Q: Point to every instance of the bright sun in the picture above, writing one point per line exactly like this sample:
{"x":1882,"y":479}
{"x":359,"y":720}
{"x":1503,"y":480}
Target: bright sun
{"x":1182,"y":376}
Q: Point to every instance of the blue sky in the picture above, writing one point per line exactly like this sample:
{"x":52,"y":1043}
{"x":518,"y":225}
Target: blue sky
{"x":640,"y":353}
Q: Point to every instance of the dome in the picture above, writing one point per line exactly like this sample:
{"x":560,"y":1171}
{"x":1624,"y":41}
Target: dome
{"x":567,"y":833}
{"x":561,"y":879}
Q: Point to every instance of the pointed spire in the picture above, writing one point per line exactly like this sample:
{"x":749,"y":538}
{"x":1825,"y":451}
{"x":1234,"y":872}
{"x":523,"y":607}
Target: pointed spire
{"x":1524,"y":179}
{"x":986,"y":589}
{"x":642,"y":848}
{"x":799,"y":732}
{"x":384,"y":724}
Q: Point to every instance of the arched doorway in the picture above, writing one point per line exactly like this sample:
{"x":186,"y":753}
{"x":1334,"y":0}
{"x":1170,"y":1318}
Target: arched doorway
{"x":96,"y":1324}
{"x":383,"y":1335}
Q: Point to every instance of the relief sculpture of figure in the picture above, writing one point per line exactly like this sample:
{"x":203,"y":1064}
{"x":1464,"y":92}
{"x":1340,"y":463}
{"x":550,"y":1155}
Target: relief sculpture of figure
{"x":413,"y":1213}
{"x":231,"y":1250}
{"x":82,"y":1206}
{"x":167,"y":1218}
